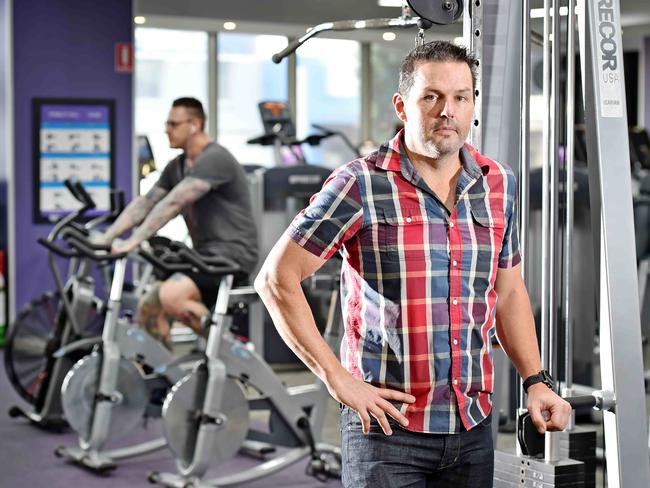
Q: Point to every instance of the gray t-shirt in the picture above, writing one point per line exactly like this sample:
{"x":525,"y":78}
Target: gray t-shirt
{"x":220,"y":222}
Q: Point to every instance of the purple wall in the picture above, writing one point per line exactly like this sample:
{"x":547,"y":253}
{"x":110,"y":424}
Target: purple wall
{"x":646,"y":82}
{"x":63,"y":49}
{"x":4,"y":22}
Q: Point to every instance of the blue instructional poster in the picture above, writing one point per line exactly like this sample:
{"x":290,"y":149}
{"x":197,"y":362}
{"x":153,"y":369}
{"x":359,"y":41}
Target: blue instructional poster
{"x":74,"y":142}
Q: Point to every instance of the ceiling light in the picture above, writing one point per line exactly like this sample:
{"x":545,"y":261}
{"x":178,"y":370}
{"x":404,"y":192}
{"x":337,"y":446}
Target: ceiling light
{"x":390,"y":3}
{"x":360,"y":24}
{"x":229,"y":25}
{"x":139,"y":19}
{"x":388,"y":36}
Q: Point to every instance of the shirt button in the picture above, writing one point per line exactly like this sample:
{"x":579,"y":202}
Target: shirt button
{"x":455,"y":263}
{"x":451,"y":224}
{"x":455,"y":342}
{"x":454,"y":301}
{"x":408,"y":219}
{"x":455,"y":382}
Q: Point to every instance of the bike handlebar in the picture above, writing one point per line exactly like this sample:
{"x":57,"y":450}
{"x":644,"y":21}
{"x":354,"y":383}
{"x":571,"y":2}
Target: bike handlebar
{"x":94,"y":251}
{"x":212,"y":265}
{"x":178,"y":257}
{"x":86,"y":199}
{"x":58,"y":250}
{"x":162,"y":264}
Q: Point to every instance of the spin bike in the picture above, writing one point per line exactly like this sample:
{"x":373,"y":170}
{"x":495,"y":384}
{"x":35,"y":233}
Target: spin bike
{"x":206,"y":414}
{"x":54,"y":320}
{"x":110,"y":391}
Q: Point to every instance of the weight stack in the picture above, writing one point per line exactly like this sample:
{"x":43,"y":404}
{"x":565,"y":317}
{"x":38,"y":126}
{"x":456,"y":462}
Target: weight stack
{"x":513,"y":471}
{"x":580,"y":444}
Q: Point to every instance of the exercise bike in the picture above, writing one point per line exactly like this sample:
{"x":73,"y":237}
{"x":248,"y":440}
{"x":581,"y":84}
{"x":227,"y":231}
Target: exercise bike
{"x":53,"y":320}
{"x":206,"y":414}
{"x":110,"y":391}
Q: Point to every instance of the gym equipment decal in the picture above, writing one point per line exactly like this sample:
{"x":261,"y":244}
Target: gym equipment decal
{"x":610,"y":79}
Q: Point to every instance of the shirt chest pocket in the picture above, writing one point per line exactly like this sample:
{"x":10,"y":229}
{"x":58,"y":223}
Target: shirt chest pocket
{"x":486,"y":233}
{"x":403,"y":234}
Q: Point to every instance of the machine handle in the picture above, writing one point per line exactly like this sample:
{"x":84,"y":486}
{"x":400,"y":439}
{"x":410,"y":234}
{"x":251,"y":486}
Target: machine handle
{"x":162,"y":264}
{"x":532,"y":442}
{"x":77,"y":227}
{"x":213,"y":265}
{"x":86,"y":199}
{"x":345,"y":25}
{"x":291,"y":48}
{"x":72,"y":189}
{"x":96,"y":252}
{"x":71,"y":232}
{"x":59,"y":251}
{"x":583,"y":401}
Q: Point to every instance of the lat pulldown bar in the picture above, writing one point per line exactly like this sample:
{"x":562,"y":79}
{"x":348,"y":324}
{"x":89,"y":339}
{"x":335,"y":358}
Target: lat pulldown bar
{"x":439,"y":12}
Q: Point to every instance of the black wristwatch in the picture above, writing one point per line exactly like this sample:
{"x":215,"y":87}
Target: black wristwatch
{"x":541,"y":377}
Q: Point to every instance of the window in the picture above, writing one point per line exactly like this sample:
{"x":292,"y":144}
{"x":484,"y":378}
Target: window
{"x":329,"y":94}
{"x":168,"y":64}
{"x":385,"y":60}
{"x":247,"y":76}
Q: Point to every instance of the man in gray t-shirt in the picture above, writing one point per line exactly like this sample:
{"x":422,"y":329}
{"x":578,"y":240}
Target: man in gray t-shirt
{"x":221,"y":221}
{"x":208,"y":187}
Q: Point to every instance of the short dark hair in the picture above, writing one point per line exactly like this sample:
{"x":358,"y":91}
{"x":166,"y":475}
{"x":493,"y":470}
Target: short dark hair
{"x":440,"y":51}
{"x":193,"y":106}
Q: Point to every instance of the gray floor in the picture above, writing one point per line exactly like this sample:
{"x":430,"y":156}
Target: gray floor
{"x":26,"y":458}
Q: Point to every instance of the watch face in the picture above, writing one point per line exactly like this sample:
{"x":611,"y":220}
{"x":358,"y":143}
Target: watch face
{"x":547,"y":378}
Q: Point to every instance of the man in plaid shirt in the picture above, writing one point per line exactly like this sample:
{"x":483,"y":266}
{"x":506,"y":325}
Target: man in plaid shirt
{"x":431,"y":271}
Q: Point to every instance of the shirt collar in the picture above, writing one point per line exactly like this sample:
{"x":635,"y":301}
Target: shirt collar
{"x":391,"y":156}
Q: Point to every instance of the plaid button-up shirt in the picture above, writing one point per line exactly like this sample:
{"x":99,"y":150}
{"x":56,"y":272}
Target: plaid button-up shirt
{"x":417,"y":281}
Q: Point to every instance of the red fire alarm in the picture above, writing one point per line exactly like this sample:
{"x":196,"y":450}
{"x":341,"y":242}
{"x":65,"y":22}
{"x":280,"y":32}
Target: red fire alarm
{"x":124,"y":57}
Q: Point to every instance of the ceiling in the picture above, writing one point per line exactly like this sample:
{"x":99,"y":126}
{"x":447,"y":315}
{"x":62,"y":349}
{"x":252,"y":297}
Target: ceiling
{"x":292,"y":17}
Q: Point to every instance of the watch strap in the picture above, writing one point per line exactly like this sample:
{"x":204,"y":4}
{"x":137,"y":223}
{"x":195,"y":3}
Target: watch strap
{"x":541,"y":377}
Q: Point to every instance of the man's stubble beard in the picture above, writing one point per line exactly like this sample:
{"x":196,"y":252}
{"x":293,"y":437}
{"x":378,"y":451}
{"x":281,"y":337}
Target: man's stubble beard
{"x":444,"y":148}
{"x":431,"y":149}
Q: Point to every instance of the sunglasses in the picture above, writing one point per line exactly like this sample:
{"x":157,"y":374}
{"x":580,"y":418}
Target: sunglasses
{"x":172,"y":124}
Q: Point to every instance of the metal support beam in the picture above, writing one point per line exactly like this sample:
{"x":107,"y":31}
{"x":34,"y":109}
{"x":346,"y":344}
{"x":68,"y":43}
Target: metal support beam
{"x":6,"y":32}
{"x":292,"y":83}
{"x":473,"y":36}
{"x":213,"y":85}
{"x":628,"y":463}
{"x":366,"y":92}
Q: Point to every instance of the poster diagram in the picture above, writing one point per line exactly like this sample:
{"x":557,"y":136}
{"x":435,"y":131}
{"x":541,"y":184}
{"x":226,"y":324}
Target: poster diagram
{"x":74,"y":142}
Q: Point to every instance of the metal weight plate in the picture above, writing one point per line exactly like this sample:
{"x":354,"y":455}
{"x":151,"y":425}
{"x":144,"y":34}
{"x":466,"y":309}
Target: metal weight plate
{"x":181,"y":423}
{"x":441,"y":12}
{"x":79,"y":390}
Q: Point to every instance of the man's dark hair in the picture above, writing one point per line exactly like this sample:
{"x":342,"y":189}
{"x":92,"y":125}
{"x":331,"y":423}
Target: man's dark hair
{"x":439,"y":51}
{"x":193,"y":106}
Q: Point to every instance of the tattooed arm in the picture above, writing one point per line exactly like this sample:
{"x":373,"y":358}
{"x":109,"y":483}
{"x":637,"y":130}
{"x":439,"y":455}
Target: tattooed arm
{"x":134,"y":213}
{"x":186,"y":192}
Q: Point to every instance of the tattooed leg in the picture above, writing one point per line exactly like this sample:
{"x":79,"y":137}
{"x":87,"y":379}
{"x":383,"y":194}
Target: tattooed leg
{"x":152,"y":317}
{"x":181,"y":298}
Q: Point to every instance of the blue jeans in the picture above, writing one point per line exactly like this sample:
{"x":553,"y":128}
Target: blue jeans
{"x":409,"y":459}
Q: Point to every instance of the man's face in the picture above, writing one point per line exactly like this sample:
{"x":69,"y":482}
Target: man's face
{"x":179,"y":127}
{"x":438,"y":109}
